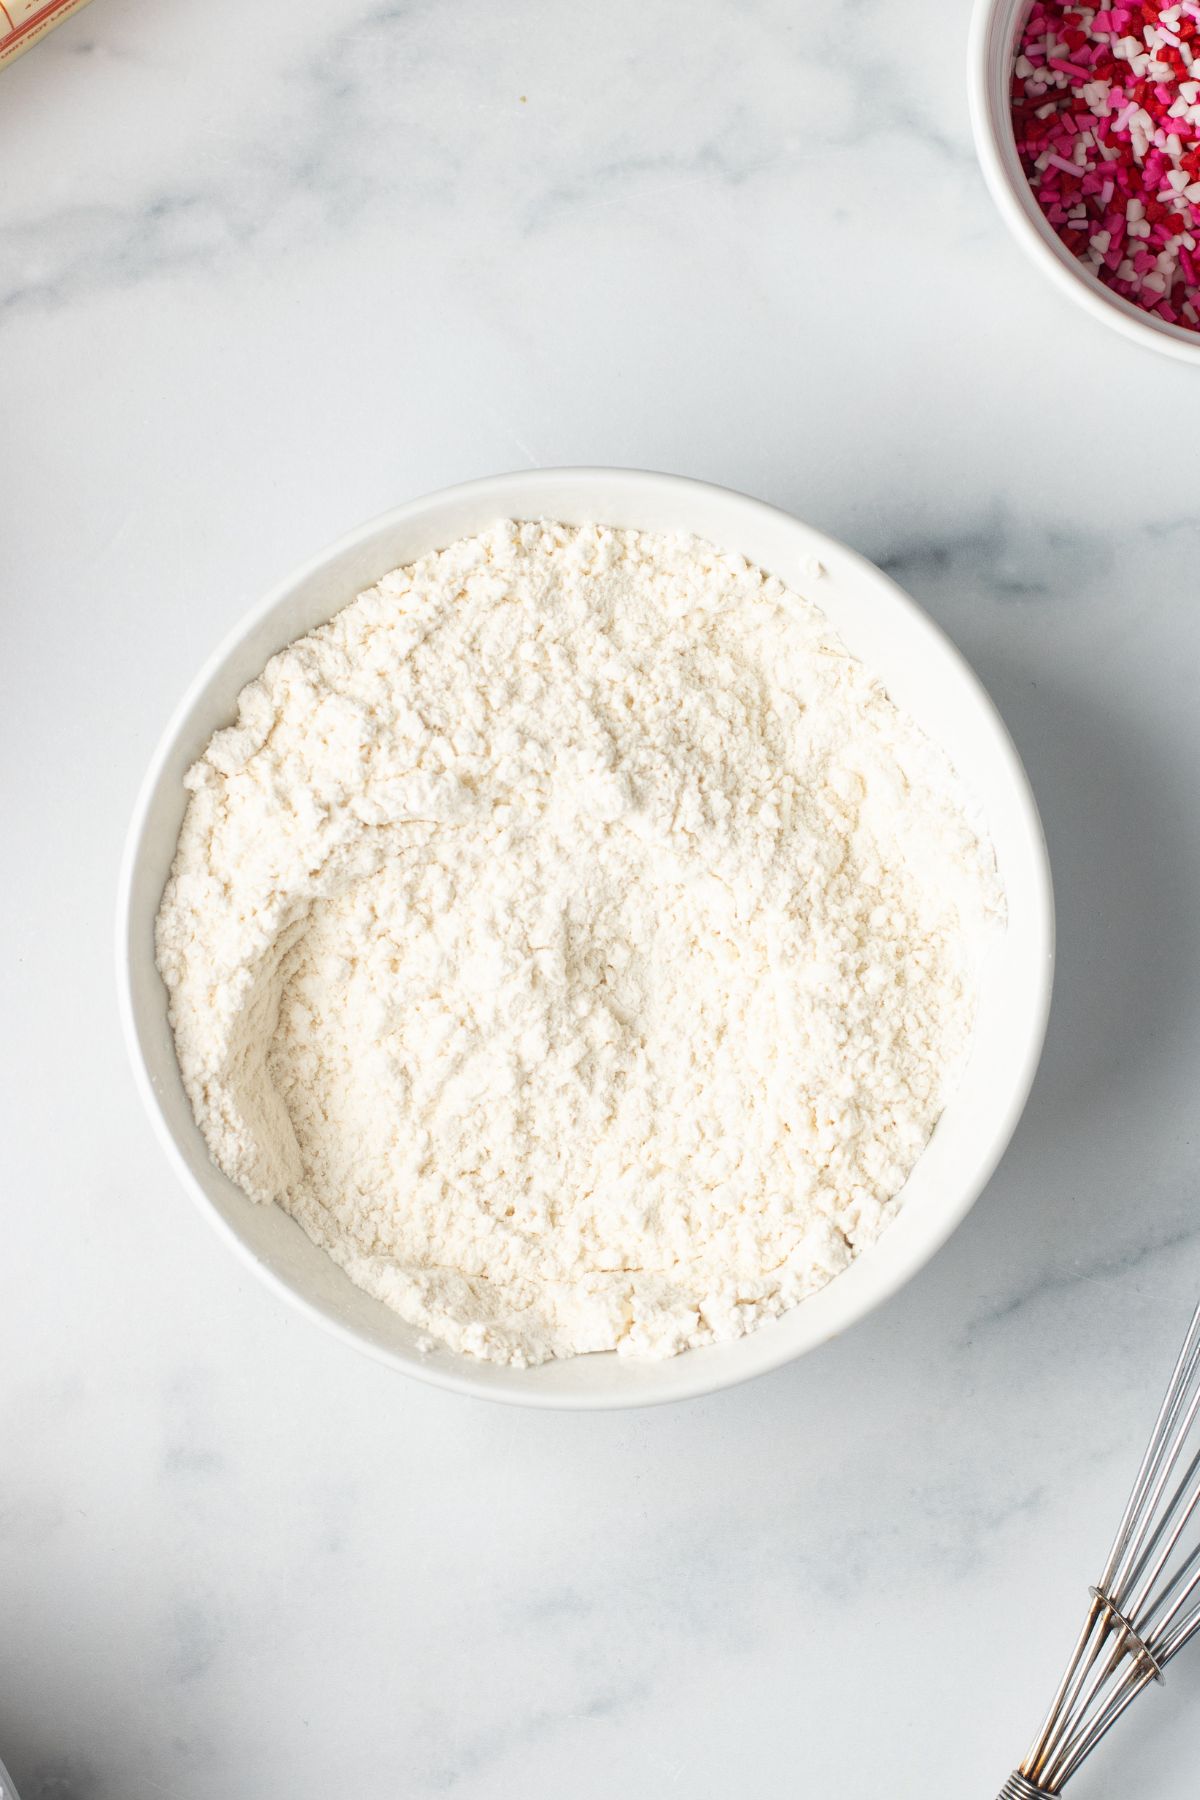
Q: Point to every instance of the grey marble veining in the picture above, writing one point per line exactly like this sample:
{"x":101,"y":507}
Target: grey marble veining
{"x":264,"y":271}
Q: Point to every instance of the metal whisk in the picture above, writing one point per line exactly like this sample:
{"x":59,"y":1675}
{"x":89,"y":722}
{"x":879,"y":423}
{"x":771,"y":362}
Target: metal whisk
{"x":1145,"y":1606}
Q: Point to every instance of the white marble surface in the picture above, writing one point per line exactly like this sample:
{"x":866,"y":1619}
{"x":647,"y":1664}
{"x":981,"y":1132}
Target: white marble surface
{"x":265,"y":270}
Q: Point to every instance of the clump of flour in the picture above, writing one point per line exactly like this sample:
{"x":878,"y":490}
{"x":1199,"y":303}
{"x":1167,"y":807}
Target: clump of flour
{"x":577,"y":941}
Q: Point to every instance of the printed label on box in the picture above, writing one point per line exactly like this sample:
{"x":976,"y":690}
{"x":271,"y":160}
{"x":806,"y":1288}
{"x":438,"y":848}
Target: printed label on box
{"x":23,"y":22}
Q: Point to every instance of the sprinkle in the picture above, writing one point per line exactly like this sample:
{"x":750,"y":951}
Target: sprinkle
{"x":1106,"y":113}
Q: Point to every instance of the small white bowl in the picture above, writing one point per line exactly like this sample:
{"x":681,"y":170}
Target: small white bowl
{"x":995,"y":30}
{"x":924,"y":674}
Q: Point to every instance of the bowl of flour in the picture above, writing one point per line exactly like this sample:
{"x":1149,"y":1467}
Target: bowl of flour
{"x":586,"y":938}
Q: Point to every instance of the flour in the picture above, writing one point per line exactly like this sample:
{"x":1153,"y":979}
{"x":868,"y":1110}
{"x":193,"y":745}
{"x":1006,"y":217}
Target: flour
{"x":576,"y":940}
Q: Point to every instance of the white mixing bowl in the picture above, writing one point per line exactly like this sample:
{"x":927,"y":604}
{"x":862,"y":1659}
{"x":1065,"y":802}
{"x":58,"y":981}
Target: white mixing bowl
{"x":924,"y":675}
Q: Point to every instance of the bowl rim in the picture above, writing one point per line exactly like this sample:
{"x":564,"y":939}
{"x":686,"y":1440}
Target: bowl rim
{"x":1024,"y":217}
{"x":761,"y":1356}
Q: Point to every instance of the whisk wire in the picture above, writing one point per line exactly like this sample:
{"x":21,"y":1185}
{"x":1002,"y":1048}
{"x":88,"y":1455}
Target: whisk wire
{"x":1063,"y":1701}
{"x":1162,"y":1449}
{"x":1146,"y":1605}
{"x":1103,"y":1723}
{"x":1181,"y":1509}
{"x":1183,"y":1633}
{"x":1171,"y":1452}
{"x":1155,"y":1553}
{"x":1101,"y":1698}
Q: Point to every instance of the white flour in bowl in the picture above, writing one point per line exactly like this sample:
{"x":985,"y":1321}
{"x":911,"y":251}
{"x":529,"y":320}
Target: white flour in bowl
{"x":577,"y":941}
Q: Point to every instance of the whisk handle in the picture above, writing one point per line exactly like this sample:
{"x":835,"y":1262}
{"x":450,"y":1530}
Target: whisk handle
{"x":1018,"y":1788}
